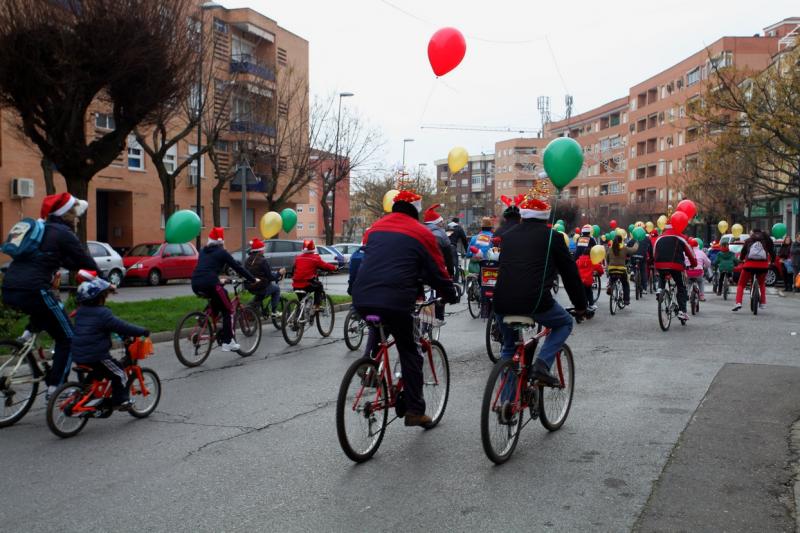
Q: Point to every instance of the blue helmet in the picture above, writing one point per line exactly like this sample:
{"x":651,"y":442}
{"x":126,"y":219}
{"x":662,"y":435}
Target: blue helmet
{"x":89,"y":290}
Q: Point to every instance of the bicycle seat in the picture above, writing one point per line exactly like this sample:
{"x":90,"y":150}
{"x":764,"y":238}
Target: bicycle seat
{"x":373,"y":318}
{"x":300,"y":292}
{"x":82,"y":368}
{"x":518,"y":320}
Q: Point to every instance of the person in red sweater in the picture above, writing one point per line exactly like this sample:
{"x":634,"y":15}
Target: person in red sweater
{"x":305,"y":271}
{"x":586,"y":269}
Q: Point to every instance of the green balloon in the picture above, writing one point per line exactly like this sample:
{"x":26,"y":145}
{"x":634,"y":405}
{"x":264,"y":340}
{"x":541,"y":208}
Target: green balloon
{"x":779,"y":230}
{"x":639,"y":234}
{"x":289,"y":219}
{"x":631,"y":228}
{"x":610,"y":235}
{"x":596,"y":231}
{"x":558,"y":227}
{"x":563,"y":159}
{"x":182,"y":227}
{"x":699,"y":242}
{"x":561,"y":223}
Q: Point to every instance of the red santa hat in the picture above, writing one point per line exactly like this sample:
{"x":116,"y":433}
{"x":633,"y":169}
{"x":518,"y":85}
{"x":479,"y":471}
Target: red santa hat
{"x":431,"y":216}
{"x":411,"y":197}
{"x":216,"y":236}
{"x":60,"y":204}
{"x":535,"y":208}
{"x":257,"y":245}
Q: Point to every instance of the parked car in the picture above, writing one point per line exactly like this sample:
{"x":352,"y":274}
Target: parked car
{"x":327,"y":254}
{"x":110,"y":263}
{"x":347,"y":249}
{"x":340,"y":260}
{"x":158,"y":262}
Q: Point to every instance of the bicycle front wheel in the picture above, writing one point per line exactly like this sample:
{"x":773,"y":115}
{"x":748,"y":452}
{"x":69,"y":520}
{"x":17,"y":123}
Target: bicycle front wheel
{"x":494,"y":341}
{"x":193,"y":339}
{"x":247,"y":330}
{"x":362,"y":410}
{"x":145,"y":393}
{"x":473,"y":298}
{"x":59,"y":410}
{"x":435,"y":381}
{"x":664,"y":311}
{"x":354,"y":327}
{"x":18,"y":386}
{"x":501,"y":412}
{"x":276,"y":318}
{"x":555,"y":402}
{"x":291,"y":326}
{"x":326,"y":316}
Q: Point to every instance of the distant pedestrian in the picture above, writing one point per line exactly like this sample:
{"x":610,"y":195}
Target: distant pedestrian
{"x":785,"y":258}
{"x":795,"y":255}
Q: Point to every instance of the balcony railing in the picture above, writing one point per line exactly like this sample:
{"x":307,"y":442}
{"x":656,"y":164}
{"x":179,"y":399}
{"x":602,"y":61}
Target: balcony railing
{"x":244,"y":65}
{"x":257,"y":185}
{"x":246,"y":126}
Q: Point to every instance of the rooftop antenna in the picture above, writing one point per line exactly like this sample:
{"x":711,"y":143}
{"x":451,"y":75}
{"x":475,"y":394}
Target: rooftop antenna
{"x":543,"y":105}
{"x":568,"y":103}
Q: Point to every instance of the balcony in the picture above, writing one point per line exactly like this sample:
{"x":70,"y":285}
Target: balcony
{"x":254,"y":184}
{"x":246,"y":66}
{"x":246,"y":126}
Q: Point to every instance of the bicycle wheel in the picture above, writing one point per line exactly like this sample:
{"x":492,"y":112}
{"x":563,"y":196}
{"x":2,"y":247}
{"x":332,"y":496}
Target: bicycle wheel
{"x":473,"y":298}
{"x":613,"y":300}
{"x":354,"y":327}
{"x":494,"y":341}
{"x":638,"y":285}
{"x":726,"y":286}
{"x":291,"y":326}
{"x":193,"y":339}
{"x":18,"y":387}
{"x":362,"y":410}
{"x":59,"y":414}
{"x":326,"y":316}
{"x":664,"y":310}
{"x":597,"y":286}
{"x":276,"y":319}
{"x":693,"y":302}
{"x":501,"y":412}
{"x":435,"y":381}
{"x":144,"y":404}
{"x":555,"y":402}
{"x":755,"y":297}
{"x":248,"y":326}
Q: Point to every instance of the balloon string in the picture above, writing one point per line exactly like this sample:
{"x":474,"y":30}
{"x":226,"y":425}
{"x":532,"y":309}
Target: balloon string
{"x":547,"y":255}
{"x":428,"y":101}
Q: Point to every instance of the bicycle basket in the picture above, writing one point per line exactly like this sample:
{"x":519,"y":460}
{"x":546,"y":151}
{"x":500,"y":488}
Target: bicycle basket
{"x":141,"y":349}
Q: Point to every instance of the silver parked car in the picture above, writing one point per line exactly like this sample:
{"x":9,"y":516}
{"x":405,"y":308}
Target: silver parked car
{"x":347,"y":249}
{"x":108,"y":261}
{"x":279,"y":252}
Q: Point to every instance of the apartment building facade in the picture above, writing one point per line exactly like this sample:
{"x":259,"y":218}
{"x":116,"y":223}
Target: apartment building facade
{"x":517,"y":162}
{"x":470,"y":193}
{"x":310,"y":217}
{"x":126,"y":207}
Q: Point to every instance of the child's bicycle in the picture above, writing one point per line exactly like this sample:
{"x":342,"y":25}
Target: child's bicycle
{"x":616,"y":299}
{"x":22,"y":367}
{"x":668,"y":304}
{"x":694,"y":295}
{"x":197,"y":332}
{"x":373,"y":386}
{"x":299,"y":314}
{"x":75,"y":402}
{"x":510,"y":392}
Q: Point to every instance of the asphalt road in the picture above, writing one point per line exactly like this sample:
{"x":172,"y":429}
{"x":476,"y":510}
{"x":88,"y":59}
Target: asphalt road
{"x":250,"y":444}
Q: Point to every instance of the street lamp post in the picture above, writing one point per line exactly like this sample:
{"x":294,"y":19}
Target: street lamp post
{"x":405,"y":141}
{"x":329,"y":239}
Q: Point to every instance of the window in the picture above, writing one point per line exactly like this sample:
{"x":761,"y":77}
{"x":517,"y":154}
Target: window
{"x":171,"y":159}
{"x":283,"y":246}
{"x":299,"y":225}
{"x":312,"y":209}
{"x":104,"y":121}
{"x":220,"y":26}
{"x":221,"y":146}
{"x":224,"y":217}
{"x":312,"y":226}
{"x":242,"y":49}
{"x":98,"y":250}
{"x":250,"y":218}
{"x":241,"y":109}
{"x":173,"y":250}
{"x":135,"y":154}
{"x":477,"y":180}
{"x":464,"y":182}
{"x":299,"y":208}
{"x":193,"y":165}
{"x":693,"y":77}
{"x":188,"y":250}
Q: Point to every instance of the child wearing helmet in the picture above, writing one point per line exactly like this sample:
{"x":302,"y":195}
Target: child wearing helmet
{"x":305,"y":271}
{"x":91,"y":342}
{"x":585,"y":242}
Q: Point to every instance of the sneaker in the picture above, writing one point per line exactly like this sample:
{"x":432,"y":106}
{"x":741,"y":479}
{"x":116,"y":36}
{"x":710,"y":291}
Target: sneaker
{"x":762,"y":306}
{"x":124,"y":406}
{"x":275,"y":314}
{"x":682,"y":315}
{"x":418,"y":420}
{"x":592,"y":307}
{"x":230,"y":346}
{"x":542,"y":374}
{"x":736,"y":307}
{"x":25,"y":337}
{"x":50,"y":391}
{"x":626,"y":302}
{"x":659,"y":291}
{"x":438,"y":322}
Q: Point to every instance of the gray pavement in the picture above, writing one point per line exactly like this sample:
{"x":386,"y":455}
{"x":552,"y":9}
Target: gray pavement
{"x":251,"y":443}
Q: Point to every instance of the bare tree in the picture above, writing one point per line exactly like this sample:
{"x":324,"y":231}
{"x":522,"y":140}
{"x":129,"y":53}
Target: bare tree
{"x":129,"y":55}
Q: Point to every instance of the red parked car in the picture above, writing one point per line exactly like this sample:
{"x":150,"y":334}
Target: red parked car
{"x":157,"y":262}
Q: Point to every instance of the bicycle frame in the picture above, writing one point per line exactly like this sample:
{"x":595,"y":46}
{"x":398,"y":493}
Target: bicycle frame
{"x":101,"y":389}
{"x":27,"y":348}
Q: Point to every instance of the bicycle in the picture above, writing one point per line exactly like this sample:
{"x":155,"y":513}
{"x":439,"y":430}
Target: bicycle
{"x":75,"y":402}
{"x":636,"y":277}
{"x":299,"y":314}
{"x":265,"y":312}
{"x":354,"y":328}
{"x":23,"y":365}
{"x":510,"y":392}
{"x":473,"y":295}
{"x":755,"y":293}
{"x":616,"y":300}
{"x":597,"y":285}
{"x":694,"y":296}
{"x":197,"y":332}
{"x":726,"y":285}
{"x":371,"y":387}
{"x":652,"y":282}
{"x":668,"y":305}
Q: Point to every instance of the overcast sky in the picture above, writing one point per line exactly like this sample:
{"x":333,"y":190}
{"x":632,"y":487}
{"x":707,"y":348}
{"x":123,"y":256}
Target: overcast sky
{"x":599,"y":50}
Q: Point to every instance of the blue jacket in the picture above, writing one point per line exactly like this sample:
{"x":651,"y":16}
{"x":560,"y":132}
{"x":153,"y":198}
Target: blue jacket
{"x":355,"y":263}
{"x":212,"y":263}
{"x":482,"y":241}
{"x":91,"y":340}
{"x":60,"y":247}
{"x":400,"y":255}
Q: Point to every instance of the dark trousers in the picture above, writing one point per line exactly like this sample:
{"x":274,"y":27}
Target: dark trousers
{"x":46,"y":314}
{"x":626,"y":285}
{"x":677,"y":276}
{"x":222,"y":307}
{"x":273,"y":291}
{"x":720,"y":277}
{"x":589,"y":294}
{"x":638,"y":261}
{"x":314,"y":286}
{"x":113,"y":371}
{"x":401,"y":327}
{"x":788,"y":279}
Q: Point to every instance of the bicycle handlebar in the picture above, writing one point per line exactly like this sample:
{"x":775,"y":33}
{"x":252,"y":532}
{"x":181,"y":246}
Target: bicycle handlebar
{"x":587,"y":315}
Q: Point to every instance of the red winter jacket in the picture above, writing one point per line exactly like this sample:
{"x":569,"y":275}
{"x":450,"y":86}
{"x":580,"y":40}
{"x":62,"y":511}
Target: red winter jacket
{"x":305,"y":269}
{"x":586,"y":269}
{"x":671,"y":251}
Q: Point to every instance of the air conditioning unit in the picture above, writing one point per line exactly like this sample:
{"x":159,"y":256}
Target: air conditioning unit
{"x":22,"y":188}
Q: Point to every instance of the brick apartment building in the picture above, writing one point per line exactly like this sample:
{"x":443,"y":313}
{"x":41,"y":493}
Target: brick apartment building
{"x":470,"y":193}
{"x":517,"y":163}
{"x":310,"y":222}
{"x":126,"y":198}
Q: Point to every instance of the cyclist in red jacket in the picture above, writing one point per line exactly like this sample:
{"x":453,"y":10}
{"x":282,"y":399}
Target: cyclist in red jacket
{"x":305,"y":271}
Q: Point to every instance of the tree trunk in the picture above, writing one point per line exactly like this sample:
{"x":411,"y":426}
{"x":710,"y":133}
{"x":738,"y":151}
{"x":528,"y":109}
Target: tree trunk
{"x":326,"y":215}
{"x":47,"y":173}
{"x":216,"y":194}
{"x":79,"y":188}
{"x":168,"y":193}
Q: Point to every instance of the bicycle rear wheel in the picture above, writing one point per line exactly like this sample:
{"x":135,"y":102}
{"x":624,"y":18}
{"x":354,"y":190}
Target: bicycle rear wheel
{"x":17,"y":388}
{"x":473,"y":298}
{"x":494,"y":341}
{"x":193,"y":339}
{"x":362,"y":410}
{"x":555,"y":402}
{"x":613,"y":301}
{"x":638,"y":283}
{"x":664,"y":310}
{"x":276,"y":319}
{"x":755,"y":297}
{"x":693,"y":302}
{"x":597,"y":286}
{"x":248,"y":326}
{"x":59,"y":410}
{"x":435,"y":381}
{"x":291,"y":327}
{"x":354,"y":327}
{"x":726,"y":287}
{"x":144,"y":403}
{"x":501,"y":412}
{"x":326,"y":316}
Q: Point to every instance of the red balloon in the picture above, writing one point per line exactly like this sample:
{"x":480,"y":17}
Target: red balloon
{"x":688,"y":207}
{"x":577,"y":231}
{"x":446,"y":49}
{"x":613,"y":224}
{"x":679,"y":220}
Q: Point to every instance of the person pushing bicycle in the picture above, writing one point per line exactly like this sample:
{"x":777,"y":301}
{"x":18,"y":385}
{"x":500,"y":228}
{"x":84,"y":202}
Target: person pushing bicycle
{"x":532,"y":256}
{"x":306,"y":265}
{"x":400,"y":251}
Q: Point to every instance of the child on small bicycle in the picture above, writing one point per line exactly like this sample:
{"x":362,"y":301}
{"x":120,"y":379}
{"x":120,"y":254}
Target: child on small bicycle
{"x":305,"y":271}
{"x":91,"y":342}
{"x":267,"y":285}
{"x":617,"y":257}
{"x":696,"y":273}
{"x":725,"y":262}
{"x":586,"y":269}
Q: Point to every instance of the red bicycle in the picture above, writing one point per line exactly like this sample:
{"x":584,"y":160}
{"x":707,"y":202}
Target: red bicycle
{"x":75,"y":402}
{"x":510,"y":392}
{"x":371,"y":387}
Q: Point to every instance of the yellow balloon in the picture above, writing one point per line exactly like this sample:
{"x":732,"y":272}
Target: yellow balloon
{"x":649,"y":226}
{"x":639,"y":224}
{"x":597,"y":254}
{"x":661,"y":222}
{"x":737,"y":230}
{"x":457,"y":159}
{"x":722,"y":226}
{"x":270,"y":224}
{"x":566,"y":238}
{"x":388,"y":200}
{"x":622,"y":232}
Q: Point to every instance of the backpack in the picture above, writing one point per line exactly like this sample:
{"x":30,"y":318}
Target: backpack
{"x":24,"y":238}
{"x":253,"y":265}
{"x":757,"y":252}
